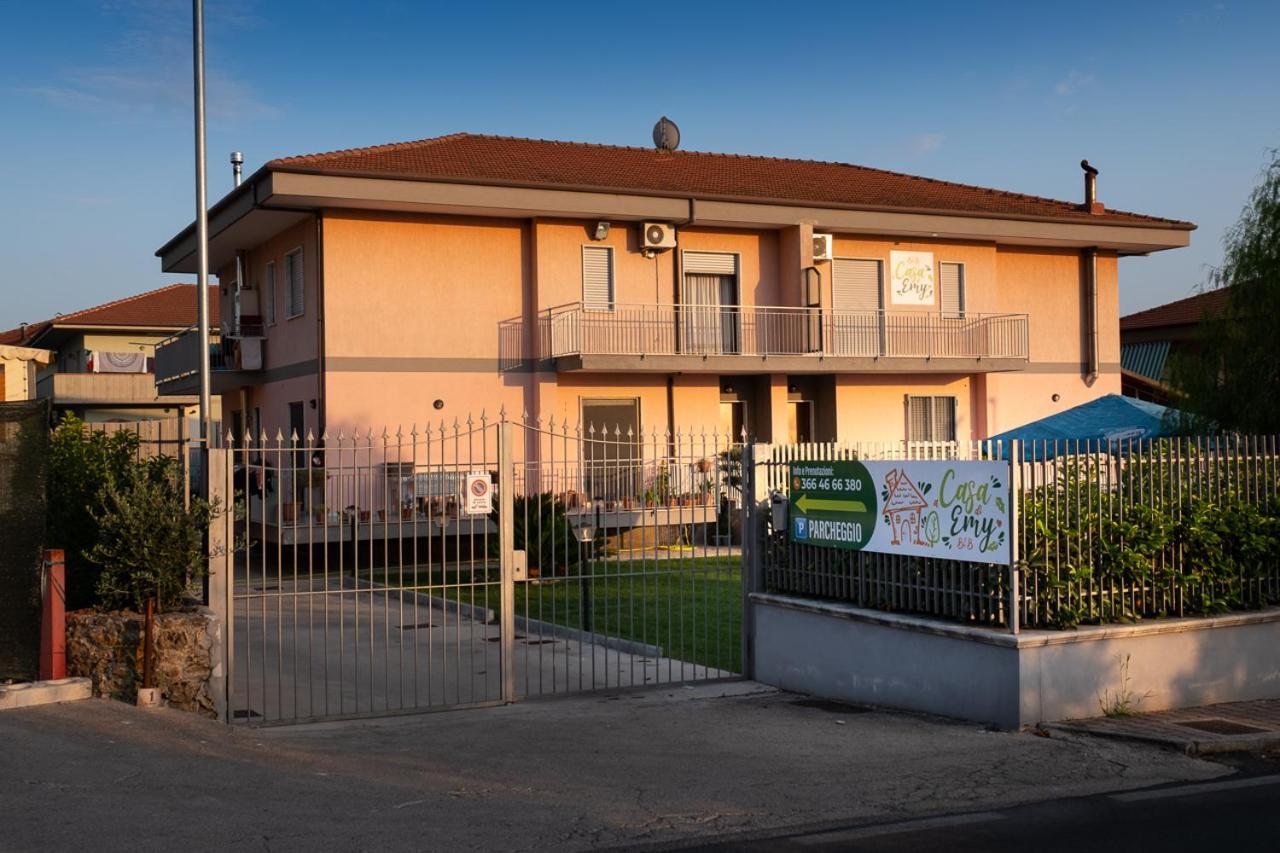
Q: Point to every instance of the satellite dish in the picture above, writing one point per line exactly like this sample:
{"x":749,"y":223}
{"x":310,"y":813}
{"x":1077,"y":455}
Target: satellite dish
{"x":666,"y":136}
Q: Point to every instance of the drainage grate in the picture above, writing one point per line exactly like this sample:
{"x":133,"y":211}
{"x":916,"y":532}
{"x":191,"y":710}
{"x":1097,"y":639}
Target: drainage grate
{"x":244,"y":714}
{"x":1223,"y":727}
{"x":831,"y":705}
{"x":416,"y":627}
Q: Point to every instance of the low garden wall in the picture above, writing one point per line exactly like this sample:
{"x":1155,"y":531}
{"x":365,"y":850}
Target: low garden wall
{"x":107,"y":647}
{"x":840,"y":651}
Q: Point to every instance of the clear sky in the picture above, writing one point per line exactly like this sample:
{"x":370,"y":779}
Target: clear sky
{"x":1176,"y":102}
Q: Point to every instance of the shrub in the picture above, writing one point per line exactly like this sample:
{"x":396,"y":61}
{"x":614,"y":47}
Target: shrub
{"x":149,"y":543}
{"x":81,"y":465}
{"x":543,"y":530}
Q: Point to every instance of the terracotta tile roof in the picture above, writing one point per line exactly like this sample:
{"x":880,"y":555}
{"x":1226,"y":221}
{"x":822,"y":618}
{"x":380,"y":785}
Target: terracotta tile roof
{"x":173,"y":306}
{"x":1180,"y":313}
{"x":509,"y":160}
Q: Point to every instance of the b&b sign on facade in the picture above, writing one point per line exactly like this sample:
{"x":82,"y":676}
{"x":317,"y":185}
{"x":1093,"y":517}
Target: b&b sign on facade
{"x":951,"y":510}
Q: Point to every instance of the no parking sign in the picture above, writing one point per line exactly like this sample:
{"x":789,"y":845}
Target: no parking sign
{"x":477,"y":498}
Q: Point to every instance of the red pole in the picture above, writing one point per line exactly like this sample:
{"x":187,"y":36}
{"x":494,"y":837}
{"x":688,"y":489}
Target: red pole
{"x":53,"y":621}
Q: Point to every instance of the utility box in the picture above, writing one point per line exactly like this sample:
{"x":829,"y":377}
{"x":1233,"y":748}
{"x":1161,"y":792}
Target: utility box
{"x":778,"y":504}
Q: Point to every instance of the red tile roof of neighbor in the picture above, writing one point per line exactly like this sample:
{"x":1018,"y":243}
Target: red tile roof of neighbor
{"x":508,"y":160}
{"x":173,"y":306}
{"x":1180,"y":313}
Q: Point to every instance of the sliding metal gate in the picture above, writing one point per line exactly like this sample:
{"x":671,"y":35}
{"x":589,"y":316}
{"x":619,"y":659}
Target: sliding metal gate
{"x":474,"y":564}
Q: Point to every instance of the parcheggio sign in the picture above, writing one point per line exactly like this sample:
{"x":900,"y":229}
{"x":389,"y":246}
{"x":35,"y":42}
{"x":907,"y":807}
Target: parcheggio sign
{"x":952,"y":510}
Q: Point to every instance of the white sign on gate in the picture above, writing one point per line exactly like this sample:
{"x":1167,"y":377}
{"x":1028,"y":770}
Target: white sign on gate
{"x":477,"y":498}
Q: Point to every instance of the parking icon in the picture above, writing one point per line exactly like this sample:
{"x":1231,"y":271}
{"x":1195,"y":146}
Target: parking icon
{"x":802,"y":527}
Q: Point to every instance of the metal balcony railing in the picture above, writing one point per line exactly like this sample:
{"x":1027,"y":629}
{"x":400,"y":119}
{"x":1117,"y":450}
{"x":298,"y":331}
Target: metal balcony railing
{"x":702,"y":330}
{"x":178,"y":356}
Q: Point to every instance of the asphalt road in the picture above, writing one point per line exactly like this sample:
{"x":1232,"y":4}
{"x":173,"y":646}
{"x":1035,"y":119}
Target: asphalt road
{"x":660,"y":766}
{"x":1238,"y":814}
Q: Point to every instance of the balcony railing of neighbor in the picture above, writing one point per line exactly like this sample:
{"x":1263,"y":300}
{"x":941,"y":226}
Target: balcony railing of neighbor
{"x":178,"y":356}
{"x":657,"y":330}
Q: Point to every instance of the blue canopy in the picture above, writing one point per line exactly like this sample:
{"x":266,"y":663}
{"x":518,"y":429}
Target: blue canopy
{"x":1107,"y":420}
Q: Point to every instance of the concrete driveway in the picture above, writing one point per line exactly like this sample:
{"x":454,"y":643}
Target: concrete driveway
{"x":665,"y":765}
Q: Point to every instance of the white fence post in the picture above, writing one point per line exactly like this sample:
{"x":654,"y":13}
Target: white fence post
{"x":220,"y":561}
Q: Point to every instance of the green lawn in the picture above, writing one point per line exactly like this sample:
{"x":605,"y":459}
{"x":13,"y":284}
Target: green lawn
{"x":691,"y":607}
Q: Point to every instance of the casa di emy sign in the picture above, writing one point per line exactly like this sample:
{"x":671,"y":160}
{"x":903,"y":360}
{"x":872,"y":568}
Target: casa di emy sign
{"x":911,"y":279}
{"x":951,"y":510}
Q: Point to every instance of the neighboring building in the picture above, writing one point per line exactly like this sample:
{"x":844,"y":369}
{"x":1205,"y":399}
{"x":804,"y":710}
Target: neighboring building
{"x":1151,"y":339}
{"x":102,"y":367}
{"x":18,"y":368}
{"x":655,"y":289}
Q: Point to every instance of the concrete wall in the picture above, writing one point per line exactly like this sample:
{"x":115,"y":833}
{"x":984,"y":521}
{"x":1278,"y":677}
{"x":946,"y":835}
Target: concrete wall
{"x":841,"y":652}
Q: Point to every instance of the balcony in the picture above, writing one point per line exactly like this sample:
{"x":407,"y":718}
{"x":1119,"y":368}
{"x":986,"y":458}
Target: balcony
{"x":728,"y":339}
{"x":101,"y":389}
{"x":230,"y":362}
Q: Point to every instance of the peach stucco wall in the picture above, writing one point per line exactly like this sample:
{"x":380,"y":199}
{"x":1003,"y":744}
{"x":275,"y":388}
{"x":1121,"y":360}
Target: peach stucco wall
{"x":413,"y":305}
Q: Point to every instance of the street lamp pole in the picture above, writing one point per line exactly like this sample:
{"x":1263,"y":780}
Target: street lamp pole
{"x":202,"y":238}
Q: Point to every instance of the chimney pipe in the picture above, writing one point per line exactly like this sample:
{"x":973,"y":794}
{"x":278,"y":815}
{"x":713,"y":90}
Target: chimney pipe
{"x":1091,"y":202}
{"x":237,"y":161}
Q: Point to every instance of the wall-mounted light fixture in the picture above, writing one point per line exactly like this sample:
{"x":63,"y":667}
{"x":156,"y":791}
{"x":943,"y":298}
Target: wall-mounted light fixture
{"x":438,"y":404}
{"x":602,"y":230}
{"x":1056,"y":397}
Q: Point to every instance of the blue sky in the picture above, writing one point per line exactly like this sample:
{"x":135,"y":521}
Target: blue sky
{"x":1175,"y":102}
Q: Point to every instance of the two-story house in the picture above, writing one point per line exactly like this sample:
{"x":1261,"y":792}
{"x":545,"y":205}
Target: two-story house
{"x":653,"y":289}
{"x":103,"y":358}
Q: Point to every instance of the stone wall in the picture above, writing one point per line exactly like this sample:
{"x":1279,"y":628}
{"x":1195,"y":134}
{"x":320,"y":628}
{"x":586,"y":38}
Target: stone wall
{"x":107,"y":647}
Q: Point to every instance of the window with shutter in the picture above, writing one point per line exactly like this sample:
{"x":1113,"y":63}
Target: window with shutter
{"x":269,"y":293}
{"x":856,"y":284}
{"x":293,"y":272}
{"x":951,"y":280}
{"x":597,"y":278}
{"x":931,"y":418}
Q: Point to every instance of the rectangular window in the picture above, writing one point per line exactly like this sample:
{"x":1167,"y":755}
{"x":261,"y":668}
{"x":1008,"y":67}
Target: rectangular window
{"x":951,"y":281}
{"x":269,"y":293}
{"x":931,"y":418}
{"x":293,"y":274}
{"x":597,"y":278}
{"x":611,"y":447}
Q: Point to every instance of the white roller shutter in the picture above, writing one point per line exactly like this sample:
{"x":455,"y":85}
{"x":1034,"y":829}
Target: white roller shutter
{"x":951,"y":279}
{"x":856,"y":285}
{"x":714,"y":263}
{"x":597,"y":278}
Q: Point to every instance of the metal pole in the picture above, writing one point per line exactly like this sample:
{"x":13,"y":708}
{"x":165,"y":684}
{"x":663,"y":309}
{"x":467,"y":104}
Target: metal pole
{"x":202,"y":235}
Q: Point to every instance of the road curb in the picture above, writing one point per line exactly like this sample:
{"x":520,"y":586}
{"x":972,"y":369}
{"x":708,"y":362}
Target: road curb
{"x":1187,"y":746}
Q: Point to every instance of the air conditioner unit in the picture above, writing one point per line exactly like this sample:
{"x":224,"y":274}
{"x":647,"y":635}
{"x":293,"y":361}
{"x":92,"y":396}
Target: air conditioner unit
{"x":822,"y":247}
{"x":658,"y":235}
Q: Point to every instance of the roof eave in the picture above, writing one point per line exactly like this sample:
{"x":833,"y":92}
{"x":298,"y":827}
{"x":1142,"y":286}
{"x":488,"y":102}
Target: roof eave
{"x":1099,"y":219}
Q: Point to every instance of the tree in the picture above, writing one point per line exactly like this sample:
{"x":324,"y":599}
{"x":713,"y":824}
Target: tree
{"x":1231,"y":380}
{"x":149,"y":543}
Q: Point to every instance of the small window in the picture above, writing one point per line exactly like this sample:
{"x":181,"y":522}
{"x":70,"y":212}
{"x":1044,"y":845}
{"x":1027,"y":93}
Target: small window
{"x":293,"y":273}
{"x":931,"y":418}
{"x":597,"y":278}
{"x":951,"y":278}
{"x":269,"y":293}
